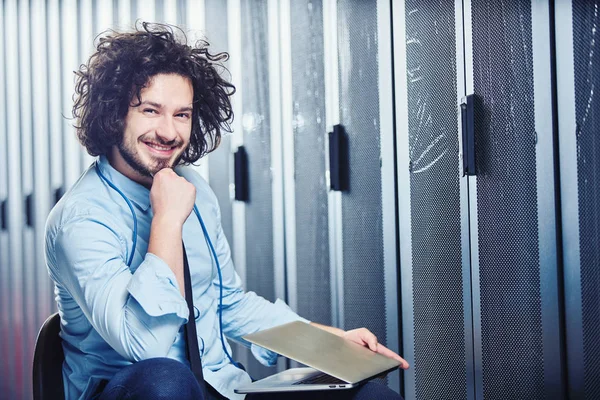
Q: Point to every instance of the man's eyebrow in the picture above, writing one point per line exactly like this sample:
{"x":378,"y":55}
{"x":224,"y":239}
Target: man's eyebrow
{"x":160,"y":106}
{"x":151,"y":103}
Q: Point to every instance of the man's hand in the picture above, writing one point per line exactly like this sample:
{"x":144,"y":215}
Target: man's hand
{"x":172,"y":196}
{"x":364,"y":337}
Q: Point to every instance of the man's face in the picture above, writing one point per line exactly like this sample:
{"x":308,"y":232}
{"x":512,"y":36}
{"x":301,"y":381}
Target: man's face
{"x":158,"y":130}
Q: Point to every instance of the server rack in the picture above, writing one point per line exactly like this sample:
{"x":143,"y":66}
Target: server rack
{"x":257,"y":222}
{"x":363,"y":241}
{"x":512,"y":201}
{"x":577,"y":73}
{"x":494,"y":283}
{"x":433,"y":213}
{"x":305,"y":136}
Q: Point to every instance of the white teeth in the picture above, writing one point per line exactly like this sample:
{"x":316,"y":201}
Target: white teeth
{"x":158,"y":147}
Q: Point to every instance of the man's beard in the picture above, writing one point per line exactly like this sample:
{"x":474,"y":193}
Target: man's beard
{"x":131,"y":157}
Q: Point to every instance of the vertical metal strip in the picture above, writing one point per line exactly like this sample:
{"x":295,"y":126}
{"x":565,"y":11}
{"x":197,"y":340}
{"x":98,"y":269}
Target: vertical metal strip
{"x":567,"y":128}
{"x":195,"y":24}
{"x":472,"y":206}
{"x":388,"y":192}
{"x":15,"y":207}
{"x":195,"y":20}
{"x":332,"y":117}
{"x":69,"y":20}
{"x":287,"y":154}
{"x":27,"y":269}
{"x":124,"y":15}
{"x":275,"y":110}
{"x":158,"y":11}
{"x":238,"y":210}
{"x":279,"y":102}
{"x":104,"y":18}
{"x":549,"y":285}
{"x":237,"y":139}
{"x":403,"y":182}
{"x":145,"y":10}
{"x":5,"y":292}
{"x":170,"y":12}
{"x":41,"y":156}
{"x":461,"y":91}
{"x":87,"y":27}
{"x":54,"y":47}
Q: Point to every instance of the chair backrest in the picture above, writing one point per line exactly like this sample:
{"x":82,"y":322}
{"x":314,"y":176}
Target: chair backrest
{"x":47,"y":361}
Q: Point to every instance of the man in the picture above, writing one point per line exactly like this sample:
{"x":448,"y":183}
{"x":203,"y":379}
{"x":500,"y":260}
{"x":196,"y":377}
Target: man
{"x":147,"y":104}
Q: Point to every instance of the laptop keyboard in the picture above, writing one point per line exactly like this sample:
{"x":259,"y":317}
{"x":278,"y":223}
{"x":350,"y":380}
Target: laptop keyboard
{"x":321,"y":378}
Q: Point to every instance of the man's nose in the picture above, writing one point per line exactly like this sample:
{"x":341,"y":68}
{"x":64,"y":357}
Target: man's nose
{"x":166,"y":129}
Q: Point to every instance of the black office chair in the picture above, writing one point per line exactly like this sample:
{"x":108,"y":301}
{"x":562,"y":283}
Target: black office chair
{"x":47,"y":362}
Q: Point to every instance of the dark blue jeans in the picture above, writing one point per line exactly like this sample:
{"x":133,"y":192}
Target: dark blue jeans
{"x":164,"y":378}
{"x":155,"y":378}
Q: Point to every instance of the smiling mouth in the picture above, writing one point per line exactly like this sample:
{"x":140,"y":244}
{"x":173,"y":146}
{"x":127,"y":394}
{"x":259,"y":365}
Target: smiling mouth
{"x":160,"y":148}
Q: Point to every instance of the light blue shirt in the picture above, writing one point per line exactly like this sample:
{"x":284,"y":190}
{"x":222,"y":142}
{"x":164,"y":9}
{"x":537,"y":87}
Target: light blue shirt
{"x":113,"y":315}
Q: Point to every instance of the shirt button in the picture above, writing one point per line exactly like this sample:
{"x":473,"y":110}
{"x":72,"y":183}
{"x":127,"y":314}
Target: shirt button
{"x":196,"y":313}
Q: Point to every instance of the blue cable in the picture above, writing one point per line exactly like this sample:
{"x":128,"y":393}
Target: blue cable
{"x":214,"y":254}
{"x":210,"y":245}
{"x":109,"y":183}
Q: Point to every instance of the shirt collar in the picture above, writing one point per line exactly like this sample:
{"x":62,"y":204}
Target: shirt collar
{"x":138,"y":194}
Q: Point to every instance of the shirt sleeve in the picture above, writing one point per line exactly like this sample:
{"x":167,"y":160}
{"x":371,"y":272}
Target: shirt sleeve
{"x":246,"y":312}
{"x":138,"y":314}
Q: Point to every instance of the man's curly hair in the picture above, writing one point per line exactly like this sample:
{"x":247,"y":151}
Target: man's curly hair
{"x":124,"y":63}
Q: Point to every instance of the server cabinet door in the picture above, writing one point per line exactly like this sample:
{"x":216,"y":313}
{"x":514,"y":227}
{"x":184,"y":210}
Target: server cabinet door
{"x":257,"y":123}
{"x":306,"y":191}
{"x":15,"y":204}
{"x":220,"y":175}
{"x":579,"y":123}
{"x":513,"y":228}
{"x":219,"y":30}
{"x":367,"y":294}
{"x":42,"y":199}
{"x":25,"y":136}
{"x":432,"y":201}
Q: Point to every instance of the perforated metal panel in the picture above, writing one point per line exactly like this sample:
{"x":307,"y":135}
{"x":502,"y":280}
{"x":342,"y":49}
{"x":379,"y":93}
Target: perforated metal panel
{"x":5,"y":320}
{"x":312,"y":230}
{"x":362,"y":236}
{"x":438,"y":307}
{"x":586,"y":21}
{"x":257,"y":140}
{"x":509,"y":272}
{"x":220,"y":160}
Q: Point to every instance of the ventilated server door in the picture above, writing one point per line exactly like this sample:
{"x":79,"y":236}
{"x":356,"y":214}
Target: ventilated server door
{"x":512,"y":207}
{"x":478,"y":252}
{"x":578,"y":71}
{"x":433,"y":203}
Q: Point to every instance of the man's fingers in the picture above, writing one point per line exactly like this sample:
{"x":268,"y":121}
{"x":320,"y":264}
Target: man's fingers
{"x":365,"y":337}
{"x":369,"y":338}
{"x":384,"y":351}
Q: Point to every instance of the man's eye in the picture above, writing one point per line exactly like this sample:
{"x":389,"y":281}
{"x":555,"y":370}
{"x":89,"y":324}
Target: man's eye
{"x":150,"y":111}
{"x":184,"y":115}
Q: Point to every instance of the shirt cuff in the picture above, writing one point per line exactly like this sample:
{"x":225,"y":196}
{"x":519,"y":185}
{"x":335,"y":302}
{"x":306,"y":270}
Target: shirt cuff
{"x":154,"y":286}
{"x":286,"y":315}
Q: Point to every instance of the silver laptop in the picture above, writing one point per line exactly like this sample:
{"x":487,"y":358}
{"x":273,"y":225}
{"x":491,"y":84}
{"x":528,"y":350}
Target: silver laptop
{"x":335,"y":363}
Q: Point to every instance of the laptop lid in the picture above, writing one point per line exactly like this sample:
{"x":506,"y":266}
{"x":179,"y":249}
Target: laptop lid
{"x":323,"y":351}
